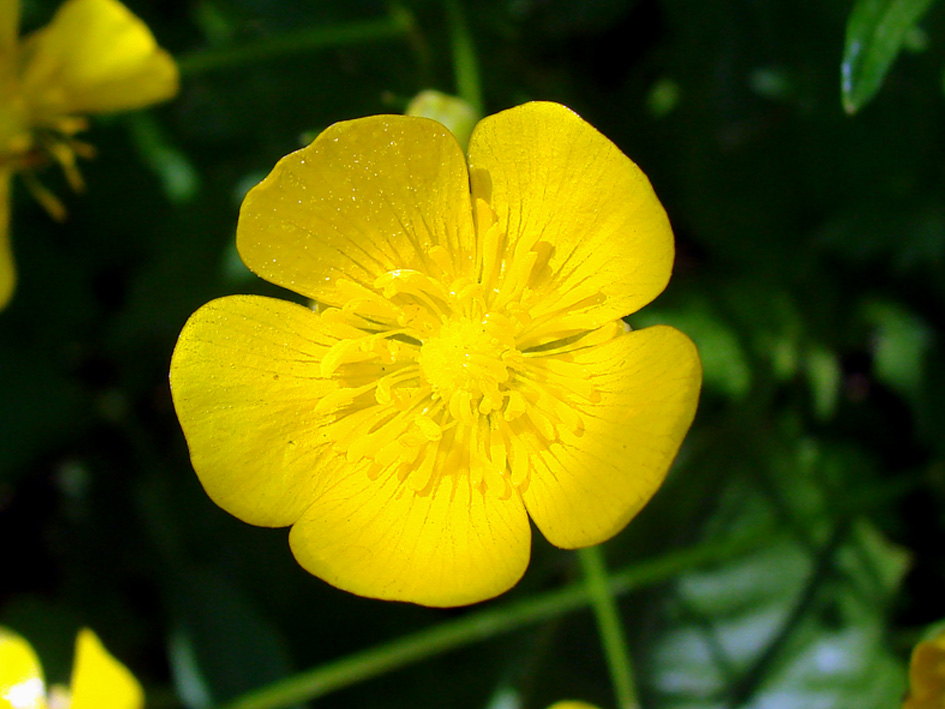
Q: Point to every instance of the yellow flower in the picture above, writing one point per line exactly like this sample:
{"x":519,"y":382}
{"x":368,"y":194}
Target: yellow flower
{"x":466,"y":366}
{"x":572,"y":704}
{"x":927,"y":675}
{"x":94,"y":57}
{"x":99,"y":681}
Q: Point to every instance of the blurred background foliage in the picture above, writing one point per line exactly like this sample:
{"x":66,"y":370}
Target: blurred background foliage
{"x":795,"y":554}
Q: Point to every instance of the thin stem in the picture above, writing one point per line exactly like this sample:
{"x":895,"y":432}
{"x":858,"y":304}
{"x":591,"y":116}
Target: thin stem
{"x":406,"y":650}
{"x":611,"y":629}
{"x":309,"y":39}
{"x":465,"y":63}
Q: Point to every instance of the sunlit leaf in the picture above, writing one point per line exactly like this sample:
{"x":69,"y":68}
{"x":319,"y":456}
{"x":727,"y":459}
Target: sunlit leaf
{"x":799,"y":623}
{"x":823,"y":376}
{"x":178,"y":176}
{"x":901,"y":341}
{"x":876,"y":31}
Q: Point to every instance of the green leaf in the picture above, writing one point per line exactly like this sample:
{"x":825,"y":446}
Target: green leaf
{"x":822,"y":368}
{"x":177,"y":173}
{"x":40,"y":407}
{"x":221,"y":646}
{"x":901,"y":343}
{"x":800,"y":622}
{"x":876,"y":31}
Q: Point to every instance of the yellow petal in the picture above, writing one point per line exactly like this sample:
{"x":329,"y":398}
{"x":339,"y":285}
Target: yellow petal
{"x":246,"y":379}
{"x":7,"y":266}
{"x":367,"y":197}
{"x":927,"y":675}
{"x":95,"y":56}
{"x":583,"y":489}
{"x":9,"y":24}
{"x":448,"y":545}
{"x":572,"y":704}
{"x":99,"y":681}
{"x":21,"y":677}
{"x":553,"y":179}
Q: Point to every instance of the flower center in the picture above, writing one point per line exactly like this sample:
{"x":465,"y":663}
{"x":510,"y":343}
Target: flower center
{"x":467,"y":365}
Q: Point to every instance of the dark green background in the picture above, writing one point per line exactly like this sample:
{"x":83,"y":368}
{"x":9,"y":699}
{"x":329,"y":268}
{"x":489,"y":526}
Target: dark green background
{"x":810,"y":271}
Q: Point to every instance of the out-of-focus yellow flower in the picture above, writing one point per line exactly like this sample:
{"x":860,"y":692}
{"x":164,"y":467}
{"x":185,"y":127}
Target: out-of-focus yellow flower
{"x":927,"y":675}
{"x":466,"y":366}
{"x":99,"y":681}
{"x":572,"y":704}
{"x":94,"y":57}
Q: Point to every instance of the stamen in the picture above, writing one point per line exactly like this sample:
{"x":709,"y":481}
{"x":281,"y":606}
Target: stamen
{"x":441,"y":257}
{"x":428,"y":427}
{"x":420,"y":478}
{"x":542,"y":423}
{"x":413,"y":283}
{"x":366,"y":303}
{"x":46,"y":199}
{"x":518,"y":453}
{"x":490,"y":239}
{"x":65,"y":156}
{"x":515,"y":279}
{"x":347,"y":352}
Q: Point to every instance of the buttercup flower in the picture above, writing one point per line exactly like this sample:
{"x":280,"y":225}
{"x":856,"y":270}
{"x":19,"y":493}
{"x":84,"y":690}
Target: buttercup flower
{"x":466,"y":366}
{"x":94,"y":57}
{"x":927,"y":675}
{"x":99,"y":681}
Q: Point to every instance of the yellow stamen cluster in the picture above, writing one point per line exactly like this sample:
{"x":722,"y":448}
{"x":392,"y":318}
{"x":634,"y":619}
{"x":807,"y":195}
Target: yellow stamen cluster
{"x":468,"y":371}
{"x":26,"y":146}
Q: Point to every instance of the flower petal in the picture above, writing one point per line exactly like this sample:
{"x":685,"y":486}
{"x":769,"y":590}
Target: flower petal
{"x":927,"y":674}
{"x":551,"y":177}
{"x":99,"y":681}
{"x":21,"y":677}
{"x":583,"y":490}
{"x":7,"y":266}
{"x":245,"y":379}
{"x":446,"y":546}
{"x":95,"y":56}
{"x":367,"y":197}
{"x":9,"y":26}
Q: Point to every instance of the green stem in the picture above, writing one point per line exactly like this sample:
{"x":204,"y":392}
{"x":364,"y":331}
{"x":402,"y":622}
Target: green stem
{"x":309,"y":39}
{"x":482,"y":625}
{"x":465,"y":63}
{"x":611,"y":629}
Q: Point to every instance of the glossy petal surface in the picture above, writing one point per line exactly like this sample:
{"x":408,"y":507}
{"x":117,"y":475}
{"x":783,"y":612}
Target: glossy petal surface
{"x":95,"y":56}
{"x":21,"y":677}
{"x":584,"y":489}
{"x":246,"y":381}
{"x":99,"y":681}
{"x":7,"y":265}
{"x":450,"y":545}
{"x":554,"y":179}
{"x":367,"y":197}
